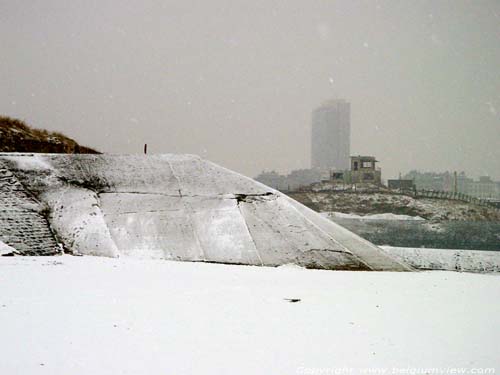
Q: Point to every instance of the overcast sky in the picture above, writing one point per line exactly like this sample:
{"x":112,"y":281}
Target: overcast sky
{"x":236,"y":81}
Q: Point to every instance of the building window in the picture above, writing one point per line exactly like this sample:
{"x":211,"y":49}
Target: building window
{"x":368,"y":176}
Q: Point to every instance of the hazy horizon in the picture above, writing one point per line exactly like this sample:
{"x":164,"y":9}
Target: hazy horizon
{"x":235,"y":82}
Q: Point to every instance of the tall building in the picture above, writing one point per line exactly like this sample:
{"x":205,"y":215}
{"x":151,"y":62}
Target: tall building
{"x":331,"y":135}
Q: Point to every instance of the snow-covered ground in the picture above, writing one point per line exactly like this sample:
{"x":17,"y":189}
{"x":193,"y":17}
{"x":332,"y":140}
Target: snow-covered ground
{"x":447,"y":259}
{"x":384,"y":216}
{"x":93,"y":315}
{"x":374,"y":203}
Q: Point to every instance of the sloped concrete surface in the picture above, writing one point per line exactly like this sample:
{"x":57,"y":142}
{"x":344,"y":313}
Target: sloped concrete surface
{"x":181,"y":207}
{"x":23,"y":228}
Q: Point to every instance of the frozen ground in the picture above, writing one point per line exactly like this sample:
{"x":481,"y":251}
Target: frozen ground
{"x":94,"y":315}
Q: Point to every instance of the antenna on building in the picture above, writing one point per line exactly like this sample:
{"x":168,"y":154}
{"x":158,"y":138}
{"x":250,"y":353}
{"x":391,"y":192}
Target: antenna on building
{"x":145,"y":148}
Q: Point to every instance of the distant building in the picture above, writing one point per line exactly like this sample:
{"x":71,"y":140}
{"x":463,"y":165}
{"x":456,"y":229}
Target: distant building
{"x":272,"y":179}
{"x":331,"y":135}
{"x":431,"y":180}
{"x":401,"y":185}
{"x":363,"y":170}
{"x":363,"y":174}
{"x":484,"y":188}
{"x":294,"y":180}
{"x":463,"y":182}
{"x":304,"y":177}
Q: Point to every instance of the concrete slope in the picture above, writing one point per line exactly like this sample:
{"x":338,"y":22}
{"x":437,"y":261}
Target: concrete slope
{"x":370,"y":253}
{"x":23,"y":227}
{"x":181,"y":207}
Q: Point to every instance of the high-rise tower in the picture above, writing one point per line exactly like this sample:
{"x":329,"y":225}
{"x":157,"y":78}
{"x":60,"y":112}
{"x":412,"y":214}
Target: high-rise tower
{"x":331,"y":135}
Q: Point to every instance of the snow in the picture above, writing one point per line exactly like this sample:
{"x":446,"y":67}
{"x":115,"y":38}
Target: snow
{"x":290,"y":266}
{"x":384,"y":216}
{"x":77,"y":219}
{"x":6,"y":249}
{"x":94,"y":315}
{"x":28,"y":161}
{"x":181,"y":207}
{"x":447,"y":259}
{"x":429,"y":208}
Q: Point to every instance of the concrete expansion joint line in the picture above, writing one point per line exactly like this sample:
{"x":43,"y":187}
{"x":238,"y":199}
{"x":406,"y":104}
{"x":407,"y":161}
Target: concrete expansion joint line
{"x":329,"y":250}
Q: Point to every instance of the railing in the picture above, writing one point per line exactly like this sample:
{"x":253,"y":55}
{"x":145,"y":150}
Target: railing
{"x":450,"y":195}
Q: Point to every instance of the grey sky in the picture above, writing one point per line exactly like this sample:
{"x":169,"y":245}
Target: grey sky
{"x":236,"y":81}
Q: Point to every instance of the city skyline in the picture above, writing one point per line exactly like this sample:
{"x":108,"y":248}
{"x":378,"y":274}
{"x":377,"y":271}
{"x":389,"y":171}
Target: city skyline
{"x":235,"y":81}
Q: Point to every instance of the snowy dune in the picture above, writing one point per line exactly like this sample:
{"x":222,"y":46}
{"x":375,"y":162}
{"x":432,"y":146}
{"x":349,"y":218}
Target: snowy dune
{"x":93,"y":315}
